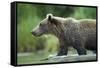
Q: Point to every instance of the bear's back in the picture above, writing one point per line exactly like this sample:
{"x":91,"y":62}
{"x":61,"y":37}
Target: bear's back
{"x":83,"y":27}
{"x":88,"y":23}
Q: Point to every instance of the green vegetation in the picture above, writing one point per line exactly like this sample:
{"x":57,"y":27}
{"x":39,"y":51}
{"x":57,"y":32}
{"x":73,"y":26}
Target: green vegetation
{"x":29,"y":16}
{"x":85,"y":12}
{"x":32,"y":59}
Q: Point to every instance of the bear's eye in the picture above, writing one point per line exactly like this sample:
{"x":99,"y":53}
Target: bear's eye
{"x":40,"y":24}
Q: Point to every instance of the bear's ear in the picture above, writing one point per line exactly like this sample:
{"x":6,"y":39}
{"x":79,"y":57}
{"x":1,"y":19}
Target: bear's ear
{"x":49,"y":17}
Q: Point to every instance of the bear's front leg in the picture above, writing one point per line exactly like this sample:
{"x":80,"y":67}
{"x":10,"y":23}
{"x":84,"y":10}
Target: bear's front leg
{"x":63,"y":49}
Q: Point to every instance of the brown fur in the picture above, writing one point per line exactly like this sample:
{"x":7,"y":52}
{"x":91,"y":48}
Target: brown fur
{"x":80,"y":34}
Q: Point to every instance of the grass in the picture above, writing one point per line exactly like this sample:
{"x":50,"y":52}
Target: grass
{"x":33,"y":59}
{"x":37,"y":58}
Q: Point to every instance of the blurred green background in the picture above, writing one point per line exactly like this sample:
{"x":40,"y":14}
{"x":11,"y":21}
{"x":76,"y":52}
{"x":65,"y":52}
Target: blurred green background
{"x":29,"y":16}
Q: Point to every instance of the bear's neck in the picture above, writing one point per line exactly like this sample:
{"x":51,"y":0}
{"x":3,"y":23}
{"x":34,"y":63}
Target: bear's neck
{"x":59,"y":32}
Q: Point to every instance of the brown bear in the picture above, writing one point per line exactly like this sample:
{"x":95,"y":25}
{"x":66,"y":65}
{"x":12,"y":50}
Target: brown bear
{"x":80,"y":34}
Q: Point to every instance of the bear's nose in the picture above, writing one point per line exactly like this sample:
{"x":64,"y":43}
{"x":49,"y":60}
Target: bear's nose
{"x":33,"y":33}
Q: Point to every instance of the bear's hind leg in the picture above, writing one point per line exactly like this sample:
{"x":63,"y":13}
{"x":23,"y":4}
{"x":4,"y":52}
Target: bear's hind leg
{"x":80,"y":49}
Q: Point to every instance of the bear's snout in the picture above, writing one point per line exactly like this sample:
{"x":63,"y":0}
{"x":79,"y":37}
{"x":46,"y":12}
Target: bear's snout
{"x":33,"y":33}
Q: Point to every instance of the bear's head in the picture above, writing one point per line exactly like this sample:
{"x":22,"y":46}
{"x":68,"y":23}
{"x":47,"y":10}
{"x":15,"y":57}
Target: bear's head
{"x":48,"y":25}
